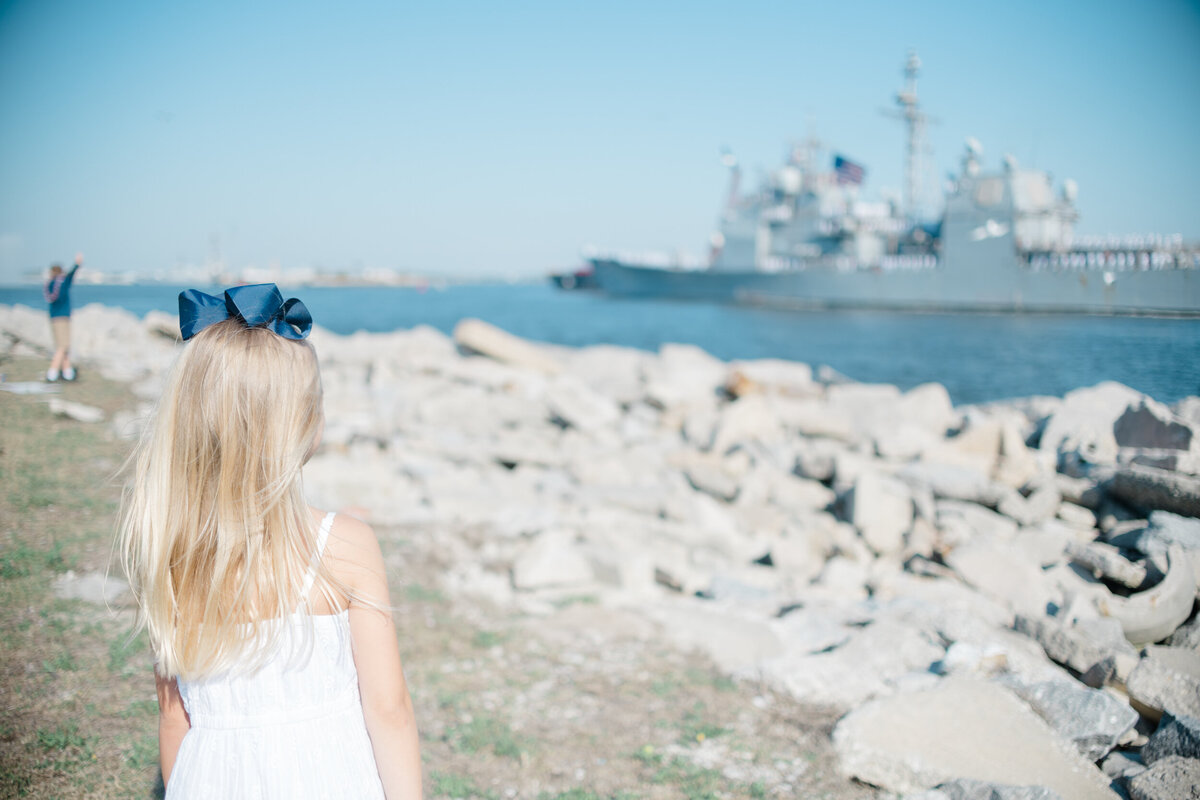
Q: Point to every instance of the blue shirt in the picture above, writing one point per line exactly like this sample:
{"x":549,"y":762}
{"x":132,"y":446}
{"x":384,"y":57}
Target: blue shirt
{"x":58,"y":293}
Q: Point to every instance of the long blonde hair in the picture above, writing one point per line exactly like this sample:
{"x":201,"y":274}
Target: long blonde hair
{"x":215,"y":533}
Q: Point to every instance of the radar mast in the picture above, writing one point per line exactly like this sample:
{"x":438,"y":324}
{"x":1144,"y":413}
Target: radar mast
{"x":915,"y":119}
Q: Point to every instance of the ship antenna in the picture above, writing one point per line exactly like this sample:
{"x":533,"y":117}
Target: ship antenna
{"x":915,"y":121}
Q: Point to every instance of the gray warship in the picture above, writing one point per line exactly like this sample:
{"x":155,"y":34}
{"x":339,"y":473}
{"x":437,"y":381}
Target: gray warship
{"x":1005,"y":242}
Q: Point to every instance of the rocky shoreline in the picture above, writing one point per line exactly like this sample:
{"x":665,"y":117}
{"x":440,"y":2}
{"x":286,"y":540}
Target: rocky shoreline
{"x":992,"y":596}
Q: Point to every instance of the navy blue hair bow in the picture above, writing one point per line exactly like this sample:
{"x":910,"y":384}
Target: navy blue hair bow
{"x":258,"y":306}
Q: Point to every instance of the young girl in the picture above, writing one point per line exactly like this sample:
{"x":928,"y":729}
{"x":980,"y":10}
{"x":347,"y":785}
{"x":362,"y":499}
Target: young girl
{"x":277,"y":665}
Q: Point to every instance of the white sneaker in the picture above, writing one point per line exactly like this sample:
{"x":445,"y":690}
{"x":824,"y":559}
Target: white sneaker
{"x":51,"y":375}
{"x":69,"y":374}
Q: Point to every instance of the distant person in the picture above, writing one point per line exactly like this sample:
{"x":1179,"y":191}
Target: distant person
{"x":275,"y":654}
{"x":57,"y":292}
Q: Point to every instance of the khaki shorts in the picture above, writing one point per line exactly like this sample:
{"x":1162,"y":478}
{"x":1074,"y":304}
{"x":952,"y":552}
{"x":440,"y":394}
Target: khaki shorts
{"x":62,"y":332}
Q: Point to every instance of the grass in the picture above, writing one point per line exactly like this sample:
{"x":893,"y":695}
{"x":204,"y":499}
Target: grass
{"x":488,"y":733}
{"x":80,"y":719}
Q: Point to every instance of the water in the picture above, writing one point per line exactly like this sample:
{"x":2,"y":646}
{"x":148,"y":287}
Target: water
{"x":978,"y":357}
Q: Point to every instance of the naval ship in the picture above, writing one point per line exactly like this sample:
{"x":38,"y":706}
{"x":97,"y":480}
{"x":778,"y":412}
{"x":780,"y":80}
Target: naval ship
{"x":1005,"y":242}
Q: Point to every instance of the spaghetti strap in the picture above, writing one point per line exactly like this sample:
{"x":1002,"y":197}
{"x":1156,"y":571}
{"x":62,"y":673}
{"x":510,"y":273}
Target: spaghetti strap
{"x":322,"y":538}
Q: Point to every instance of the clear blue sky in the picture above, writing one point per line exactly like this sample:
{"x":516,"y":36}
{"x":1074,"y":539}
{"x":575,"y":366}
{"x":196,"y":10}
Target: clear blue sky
{"x":498,"y":139}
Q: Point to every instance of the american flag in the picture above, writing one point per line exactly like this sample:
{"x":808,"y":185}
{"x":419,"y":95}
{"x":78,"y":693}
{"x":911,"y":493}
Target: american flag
{"x":847,"y":171}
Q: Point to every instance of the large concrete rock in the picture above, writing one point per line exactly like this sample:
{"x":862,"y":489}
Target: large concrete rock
{"x":1003,"y":573}
{"x":1041,"y":505}
{"x":814,"y":418}
{"x":980,"y":521}
{"x":1153,"y":489}
{"x":951,"y":482}
{"x":682,"y":374}
{"x":1175,"y":736}
{"x":750,"y":419}
{"x":868,"y":405}
{"x":477,"y":336}
{"x":870,"y":662}
{"x":771,"y":376}
{"x":962,"y":728}
{"x":1172,"y":778}
{"x":1084,"y":422}
{"x":1153,"y":615}
{"x":553,"y":560}
{"x":967,"y":789}
{"x":615,"y":372}
{"x":1097,"y":651}
{"x":1167,"y":679}
{"x":1094,"y":720}
{"x":572,"y":402}
{"x":881,"y":508}
{"x":1150,"y":424}
{"x":734,"y":641}
{"x":93,"y":587}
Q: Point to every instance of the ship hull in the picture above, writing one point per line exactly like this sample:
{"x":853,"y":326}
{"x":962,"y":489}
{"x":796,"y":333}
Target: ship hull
{"x":1015,"y":288}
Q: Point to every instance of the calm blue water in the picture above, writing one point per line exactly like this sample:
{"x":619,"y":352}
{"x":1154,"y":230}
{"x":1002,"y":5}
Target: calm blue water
{"x":978,"y":357}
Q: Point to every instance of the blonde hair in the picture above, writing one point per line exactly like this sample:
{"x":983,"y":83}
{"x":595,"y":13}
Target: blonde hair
{"x":215,"y":534}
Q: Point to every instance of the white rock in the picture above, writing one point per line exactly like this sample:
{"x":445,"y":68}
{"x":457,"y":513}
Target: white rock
{"x":480,"y":337}
{"x":75,"y":411}
{"x":963,"y":728}
{"x":881,"y":509}
{"x":553,"y":560}
{"x":1084,"y":422}
{"x":771,"y":376}
{"x":574,"y":403}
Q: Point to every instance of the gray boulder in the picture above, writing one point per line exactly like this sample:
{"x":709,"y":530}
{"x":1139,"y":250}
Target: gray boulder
{"x":1120,"y":764}
{"x":1167,"y":679}
{"x":1153,"y":489}
{"x":1150,"y":424}
{"x":1097,"y":651}
{"x":961,"y":728}
{"x":93,"y":587}
{"x":952,"y":482}
{"x":1083,"y":424}
{"x":1172,"y":778}
{"x":1176,"y":736}
{"x":1187,"y":636}
{"x":477,"y":336}
{"x":881,"y":508}
{"x":1094,"y":720}
{"x":1040,"y":505}
{"x":1153,"y":615}
{"x":967,"y":789}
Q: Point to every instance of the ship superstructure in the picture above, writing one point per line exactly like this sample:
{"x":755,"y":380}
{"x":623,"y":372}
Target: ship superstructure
{"x":1005,"y":241}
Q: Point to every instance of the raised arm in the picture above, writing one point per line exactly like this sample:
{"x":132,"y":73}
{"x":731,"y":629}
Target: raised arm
{"x":387,"y":707}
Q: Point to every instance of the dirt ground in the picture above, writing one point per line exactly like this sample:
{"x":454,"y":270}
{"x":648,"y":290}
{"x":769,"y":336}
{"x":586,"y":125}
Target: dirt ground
{"x":581,"y":704}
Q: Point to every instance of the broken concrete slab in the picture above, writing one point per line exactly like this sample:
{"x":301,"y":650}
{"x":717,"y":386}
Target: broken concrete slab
{"x":1094,"y":720}
{"x":1172,"y":778}
{"x":1175,"y":736}
{"x":962,"y":728}
{"x":1167,"y":679}
{"x":1153,"y":489}
{"x":1153,"y":615}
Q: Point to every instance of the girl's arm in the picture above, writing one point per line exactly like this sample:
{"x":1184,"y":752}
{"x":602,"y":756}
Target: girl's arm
{"x":387,"y":707}
{"x":173,"y":723}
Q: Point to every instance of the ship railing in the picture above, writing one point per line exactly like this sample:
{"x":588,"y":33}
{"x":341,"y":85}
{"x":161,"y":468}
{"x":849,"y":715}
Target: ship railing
{"x":908,"y":261}
{"x":1113,"y":260}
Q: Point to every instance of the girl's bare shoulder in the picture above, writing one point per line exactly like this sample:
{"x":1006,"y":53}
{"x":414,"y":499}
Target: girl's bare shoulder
{"x":352,"y":545}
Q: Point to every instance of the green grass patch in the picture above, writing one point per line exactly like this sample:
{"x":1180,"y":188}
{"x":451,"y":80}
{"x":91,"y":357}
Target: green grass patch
{"x":485,"y":732}
{"x":696,"y":728}
{"x":417,"y":593}
{"x":21,"y":560}
{"x":488,"y":639}
{"x":448,"y":784}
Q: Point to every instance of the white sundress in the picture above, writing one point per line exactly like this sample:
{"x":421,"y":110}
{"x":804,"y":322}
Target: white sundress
{"x":293,"y":730}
